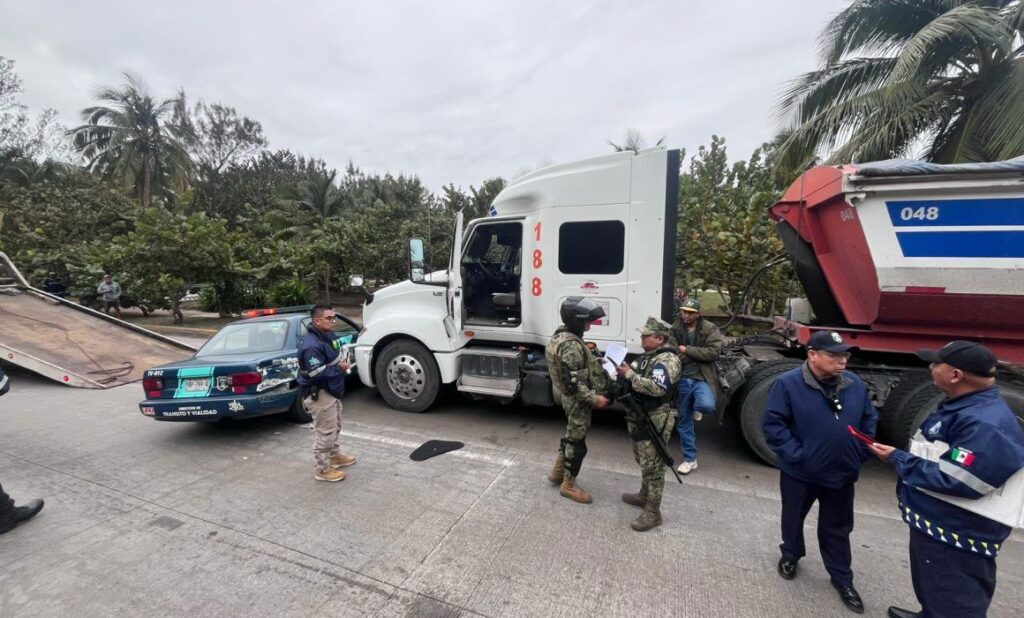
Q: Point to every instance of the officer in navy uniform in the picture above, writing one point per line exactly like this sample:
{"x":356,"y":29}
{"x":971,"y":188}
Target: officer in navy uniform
{"x":10,"y":515}
{"x":322,"y":370}
{"x":805,"y":423}
{"x":952,"y":550}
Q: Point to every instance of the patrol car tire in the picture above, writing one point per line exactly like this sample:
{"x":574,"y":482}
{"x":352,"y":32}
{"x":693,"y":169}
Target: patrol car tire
{"x":407,"y":376}
{"x":751,"y":406}
{"x":912,"y":413}
{"x":298,"y":413}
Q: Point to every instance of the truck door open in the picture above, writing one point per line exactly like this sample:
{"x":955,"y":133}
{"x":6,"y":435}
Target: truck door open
{"x":454,"y":289}
{"x":491,"y":273}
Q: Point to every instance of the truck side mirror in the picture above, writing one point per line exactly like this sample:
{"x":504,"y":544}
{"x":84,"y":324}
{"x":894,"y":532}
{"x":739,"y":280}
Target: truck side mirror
{"x":417,"y":260}
{"x":355,"y":281}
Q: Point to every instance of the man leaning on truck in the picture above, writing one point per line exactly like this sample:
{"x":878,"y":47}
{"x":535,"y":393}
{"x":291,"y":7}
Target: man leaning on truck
{"x":580,"y":382}
{"x":700,"y":343}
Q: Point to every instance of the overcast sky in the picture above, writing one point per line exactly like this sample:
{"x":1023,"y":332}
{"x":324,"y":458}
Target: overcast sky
{"x":451,"y":91}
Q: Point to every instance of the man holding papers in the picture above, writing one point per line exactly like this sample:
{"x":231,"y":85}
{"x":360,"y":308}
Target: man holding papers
{"x":967,"y":449}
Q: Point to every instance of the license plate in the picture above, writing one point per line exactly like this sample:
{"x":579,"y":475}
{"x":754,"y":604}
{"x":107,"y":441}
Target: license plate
{"x":193,"y":385}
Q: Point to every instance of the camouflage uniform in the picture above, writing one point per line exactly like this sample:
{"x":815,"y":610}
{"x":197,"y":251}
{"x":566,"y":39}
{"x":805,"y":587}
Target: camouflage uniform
{"x":578,"y":379}
{"x":653,"y":378}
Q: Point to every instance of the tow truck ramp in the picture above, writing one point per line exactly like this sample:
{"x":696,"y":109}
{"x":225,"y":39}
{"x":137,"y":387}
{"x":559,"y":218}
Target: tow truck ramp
{"x":72,"y":344}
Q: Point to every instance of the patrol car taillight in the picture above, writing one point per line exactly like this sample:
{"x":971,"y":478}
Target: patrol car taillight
{"x":152,"y":386}
{"x":241,"y":381}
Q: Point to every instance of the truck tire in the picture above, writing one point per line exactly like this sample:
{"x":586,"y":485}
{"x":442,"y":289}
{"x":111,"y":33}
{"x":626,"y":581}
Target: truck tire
{"x":910,"y":383}
{"x":407,"y":376}
{"x":913,"y":411}
{"x":298,"y":413}
{"x":752,"y":399}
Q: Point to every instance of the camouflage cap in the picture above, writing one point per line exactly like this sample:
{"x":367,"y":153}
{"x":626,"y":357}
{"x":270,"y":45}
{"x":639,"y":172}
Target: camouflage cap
{"x":691,"y":304}
{"x":656,"y":326}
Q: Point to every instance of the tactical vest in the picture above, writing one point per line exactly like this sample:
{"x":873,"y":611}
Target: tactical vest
{"x":643,"y":364}
{"x":599,"y":380}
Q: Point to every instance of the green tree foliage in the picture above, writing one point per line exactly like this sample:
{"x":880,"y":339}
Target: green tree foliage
{"x":133,"y":139}
{"x":168,"y":250}
{"x":724,"y":233}
{"x":895,"y":75}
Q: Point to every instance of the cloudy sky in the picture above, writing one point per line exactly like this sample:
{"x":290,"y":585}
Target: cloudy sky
{"x":450,"y":91}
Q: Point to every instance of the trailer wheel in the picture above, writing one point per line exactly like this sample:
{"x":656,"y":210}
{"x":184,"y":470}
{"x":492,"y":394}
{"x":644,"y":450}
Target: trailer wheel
{"x":407,"y":376}
{"x":753,"y":397}
{"x":889,"y":416}
{"x":298,"y":413}
{"x":914,"y":410}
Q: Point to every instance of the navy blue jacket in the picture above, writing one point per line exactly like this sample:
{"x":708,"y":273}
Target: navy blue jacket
{"x":986,"y":447}
{"x":317,"y":354}
{"x":810,"y":438}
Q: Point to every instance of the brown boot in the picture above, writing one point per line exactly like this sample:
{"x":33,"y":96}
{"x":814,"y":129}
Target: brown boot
{"x":574,"y":492}
{"x":650,"y":518}
{"x":639,"y":499}
{"x":341,"y":461}
{"x":557,"y":472}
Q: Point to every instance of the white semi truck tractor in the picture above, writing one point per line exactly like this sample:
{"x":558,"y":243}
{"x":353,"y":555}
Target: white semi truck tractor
{"x":896,"y":256}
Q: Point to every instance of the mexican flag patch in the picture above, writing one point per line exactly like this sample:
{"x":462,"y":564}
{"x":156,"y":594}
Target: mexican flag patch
{"x":962,"y":456}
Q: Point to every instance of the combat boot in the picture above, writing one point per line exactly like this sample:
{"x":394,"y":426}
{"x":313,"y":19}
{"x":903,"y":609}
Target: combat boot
{"x":342,"y":461}
{"x":650,"y":518}
{"x":639,"y":499}
{"x":558,"y":472}
{"x":574,"y":492}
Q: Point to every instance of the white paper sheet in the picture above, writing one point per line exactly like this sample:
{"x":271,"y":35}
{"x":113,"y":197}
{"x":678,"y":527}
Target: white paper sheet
{"x":613,"y":357}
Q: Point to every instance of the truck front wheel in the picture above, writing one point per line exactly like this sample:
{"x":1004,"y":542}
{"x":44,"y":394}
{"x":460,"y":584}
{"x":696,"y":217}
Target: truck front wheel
{"x":754,"y":397}
{"x":407,"y":376}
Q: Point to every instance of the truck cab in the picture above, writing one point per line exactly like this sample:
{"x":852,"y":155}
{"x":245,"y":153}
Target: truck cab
{"x":603,"y":228}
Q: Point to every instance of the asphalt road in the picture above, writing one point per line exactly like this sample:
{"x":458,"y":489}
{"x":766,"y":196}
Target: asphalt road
{"x":170,"y":519}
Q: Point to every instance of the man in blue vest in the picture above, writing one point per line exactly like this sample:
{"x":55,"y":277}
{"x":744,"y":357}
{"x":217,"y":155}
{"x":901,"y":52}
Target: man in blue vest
{"x":979,"y":445}
{"x":11,"y":516}
{"x":322,"y":370}
{"x":805,"y":423}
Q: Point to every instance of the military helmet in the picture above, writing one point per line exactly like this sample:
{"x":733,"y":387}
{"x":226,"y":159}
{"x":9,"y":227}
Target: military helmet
{"x":656,"y":326}
{"x":578,"y":311}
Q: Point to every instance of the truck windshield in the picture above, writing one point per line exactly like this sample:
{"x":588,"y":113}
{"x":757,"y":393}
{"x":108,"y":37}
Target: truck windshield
{"x":246,"y":338}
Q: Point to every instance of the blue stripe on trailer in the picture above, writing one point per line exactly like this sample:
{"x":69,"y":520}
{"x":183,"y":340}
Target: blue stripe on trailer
{"x":927,"y":213}
{"x":962,"y":244}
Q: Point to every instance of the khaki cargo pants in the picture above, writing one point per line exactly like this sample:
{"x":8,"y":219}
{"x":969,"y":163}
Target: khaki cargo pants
{"x":326,"y":411}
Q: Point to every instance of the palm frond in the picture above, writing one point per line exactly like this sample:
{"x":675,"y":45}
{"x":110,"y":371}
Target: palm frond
{"x":1001,"y":112}
{"x":876,"y":27}
{"x":966,"y":27}
{"x":809,"y":94}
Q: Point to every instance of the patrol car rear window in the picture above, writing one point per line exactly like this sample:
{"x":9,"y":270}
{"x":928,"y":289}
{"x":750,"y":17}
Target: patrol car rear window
{"x":247,"y":338}
{"x":591,"y":247}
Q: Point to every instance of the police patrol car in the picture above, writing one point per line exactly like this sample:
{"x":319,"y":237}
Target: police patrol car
{"x":247,"y":369}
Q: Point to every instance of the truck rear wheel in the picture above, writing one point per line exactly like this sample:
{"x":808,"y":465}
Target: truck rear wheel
{"x":407,"y":376}
{"x":911,"y":382}
{"x":753,"y":397}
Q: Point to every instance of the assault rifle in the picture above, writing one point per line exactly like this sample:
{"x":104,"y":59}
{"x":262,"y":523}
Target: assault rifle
{"x":641,"y":419}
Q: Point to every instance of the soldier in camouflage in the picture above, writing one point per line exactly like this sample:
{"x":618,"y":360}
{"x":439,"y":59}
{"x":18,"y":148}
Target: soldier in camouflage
{"x":581,"y":384}
{"x":653,"y":378}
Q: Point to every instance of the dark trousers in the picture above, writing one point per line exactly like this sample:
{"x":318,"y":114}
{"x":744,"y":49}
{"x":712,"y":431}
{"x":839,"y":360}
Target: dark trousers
{"x":950,"y":581}
{"x":835,"y":523}
{"x":5,"y":501}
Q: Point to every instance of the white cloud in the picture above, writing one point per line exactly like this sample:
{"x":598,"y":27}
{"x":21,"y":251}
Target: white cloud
{"x":451,"y":91}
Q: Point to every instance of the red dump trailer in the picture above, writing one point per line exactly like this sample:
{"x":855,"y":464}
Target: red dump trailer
{"x":898,"y":256}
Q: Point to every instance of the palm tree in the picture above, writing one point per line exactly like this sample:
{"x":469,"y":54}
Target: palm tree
{"x":941,"y":79}
{"x":634,"y":140}
{"x":320,"y":204}
{"x":134,"y":139}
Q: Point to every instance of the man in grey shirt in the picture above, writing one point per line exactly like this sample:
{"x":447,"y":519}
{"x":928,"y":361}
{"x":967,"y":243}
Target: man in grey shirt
{"x":110,"y":295}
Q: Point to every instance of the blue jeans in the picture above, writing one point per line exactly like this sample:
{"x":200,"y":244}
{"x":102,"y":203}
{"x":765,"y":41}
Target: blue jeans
{"x":694,"y":395}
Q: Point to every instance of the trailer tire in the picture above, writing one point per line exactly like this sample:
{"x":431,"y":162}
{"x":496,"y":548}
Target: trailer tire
{"x":914,"y":410}
{"x":910,"y":384}
{"x":754,"y":397}
{"x":298,"y":412}
{"x":407,"y":376}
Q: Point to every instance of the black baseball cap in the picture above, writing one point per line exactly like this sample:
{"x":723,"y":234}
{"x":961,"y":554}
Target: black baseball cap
{"x":829,"y":341}
{"x":966,"y":356}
